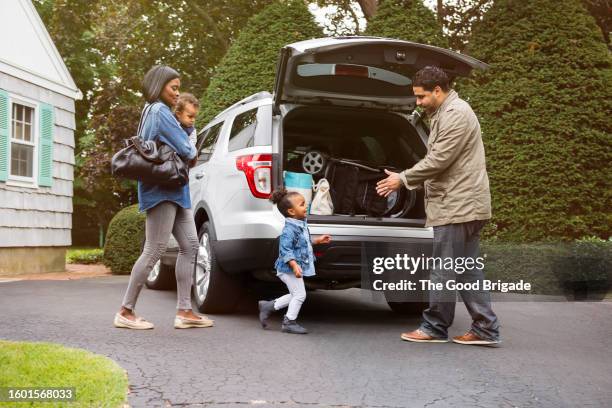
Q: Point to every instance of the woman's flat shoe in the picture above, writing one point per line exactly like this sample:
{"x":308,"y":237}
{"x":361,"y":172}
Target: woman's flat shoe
{"x":138,"y":324}
{"x":186,"y":323}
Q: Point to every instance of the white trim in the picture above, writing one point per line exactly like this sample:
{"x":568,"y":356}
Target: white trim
{"x":20,"y":181}
{"x":66,"y":87}
{"x":36,"y":79}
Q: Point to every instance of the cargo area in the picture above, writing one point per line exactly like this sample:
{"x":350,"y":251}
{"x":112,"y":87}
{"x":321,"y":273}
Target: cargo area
{"x":350,"y":148}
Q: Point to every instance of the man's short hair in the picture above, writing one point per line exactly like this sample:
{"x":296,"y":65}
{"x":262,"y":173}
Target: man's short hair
{"x":184,"y":99}
{"x":430,"y":77}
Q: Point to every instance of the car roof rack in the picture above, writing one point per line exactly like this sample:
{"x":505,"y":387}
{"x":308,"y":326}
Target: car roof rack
{"x":251,"y":98}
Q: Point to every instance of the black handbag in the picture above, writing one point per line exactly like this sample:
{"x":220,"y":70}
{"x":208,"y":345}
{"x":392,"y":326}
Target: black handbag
{"x":149,"y":161}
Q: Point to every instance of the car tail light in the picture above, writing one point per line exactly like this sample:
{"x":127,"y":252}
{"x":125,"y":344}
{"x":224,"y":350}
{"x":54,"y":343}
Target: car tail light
{"x":258,"y":171}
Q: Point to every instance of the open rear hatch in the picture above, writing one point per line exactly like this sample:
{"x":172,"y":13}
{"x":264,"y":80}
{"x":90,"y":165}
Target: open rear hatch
{"x":368,"y":72}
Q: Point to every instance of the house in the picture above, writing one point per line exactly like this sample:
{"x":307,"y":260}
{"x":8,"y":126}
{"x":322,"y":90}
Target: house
{"x":37,"y":123}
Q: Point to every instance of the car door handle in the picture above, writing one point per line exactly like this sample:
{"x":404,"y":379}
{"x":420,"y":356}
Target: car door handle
{"x":199,"y":175}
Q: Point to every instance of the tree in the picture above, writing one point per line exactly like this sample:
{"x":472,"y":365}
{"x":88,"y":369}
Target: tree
{"x":600,"y":10}
{"x":190,"y":36}
{"x":544,"y":109}
{"x":129,"y":37}
{"x":344,"y":17}
{"x":369,"y":7}
{"x":249,"y":65}
{"x":114,"y":120}
{"x":406,"y":20}
{"x":69,"y":23}
{"x":458,"y":16}
{"x":455,"y":17}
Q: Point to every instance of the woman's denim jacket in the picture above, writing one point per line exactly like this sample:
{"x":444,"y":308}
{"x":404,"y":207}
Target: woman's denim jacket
{"x":160,"y":124}
{"x":295,"y":243}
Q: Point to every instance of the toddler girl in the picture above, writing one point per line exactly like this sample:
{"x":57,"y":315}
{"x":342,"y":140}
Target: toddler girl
{"x":295,"y":260}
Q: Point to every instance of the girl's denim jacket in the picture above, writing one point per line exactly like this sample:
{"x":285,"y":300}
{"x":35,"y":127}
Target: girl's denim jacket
{"x":295,"y":243}
{"x":160,"y":124}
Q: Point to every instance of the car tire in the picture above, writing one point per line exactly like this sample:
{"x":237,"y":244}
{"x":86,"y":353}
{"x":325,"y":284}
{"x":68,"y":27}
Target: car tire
{"x":161,"y":276}
{"x":314,"y":162}
{"x":408,"y":308}
{"x":214,"y":291}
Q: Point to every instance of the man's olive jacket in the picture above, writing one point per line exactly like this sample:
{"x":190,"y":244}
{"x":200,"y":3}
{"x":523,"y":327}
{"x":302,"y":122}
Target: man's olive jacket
{"x":453,"y":172}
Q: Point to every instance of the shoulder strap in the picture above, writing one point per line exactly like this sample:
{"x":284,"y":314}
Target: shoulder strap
{"x":143,"y":117}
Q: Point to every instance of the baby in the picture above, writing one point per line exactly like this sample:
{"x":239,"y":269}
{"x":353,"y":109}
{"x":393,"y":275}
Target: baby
{"x":185,"y":112}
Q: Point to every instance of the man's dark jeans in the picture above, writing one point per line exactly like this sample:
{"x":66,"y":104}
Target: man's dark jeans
{"x":459,"y":241}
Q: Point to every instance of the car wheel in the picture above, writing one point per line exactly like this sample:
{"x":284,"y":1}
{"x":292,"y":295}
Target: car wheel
{"x":214,"y":291}
{"x":161,"y":276}
{"x":408,"y":308}
{"x":314,"y":162}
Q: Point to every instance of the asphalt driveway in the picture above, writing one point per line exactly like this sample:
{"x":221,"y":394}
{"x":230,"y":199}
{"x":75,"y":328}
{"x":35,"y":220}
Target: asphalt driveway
{"x":553,"y":355}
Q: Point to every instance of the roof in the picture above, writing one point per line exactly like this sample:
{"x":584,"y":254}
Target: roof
{"x":27,"y":51}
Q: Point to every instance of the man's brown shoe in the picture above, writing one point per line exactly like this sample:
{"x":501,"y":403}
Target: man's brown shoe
{"x":471,"y":338}
{"x":418,"y":336}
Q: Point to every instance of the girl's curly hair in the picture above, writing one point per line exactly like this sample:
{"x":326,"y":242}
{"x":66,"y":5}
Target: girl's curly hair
{"x":282,"y":199}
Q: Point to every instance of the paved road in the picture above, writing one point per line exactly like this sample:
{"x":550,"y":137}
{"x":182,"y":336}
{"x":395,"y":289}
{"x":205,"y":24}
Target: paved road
{"x":554,"y":354}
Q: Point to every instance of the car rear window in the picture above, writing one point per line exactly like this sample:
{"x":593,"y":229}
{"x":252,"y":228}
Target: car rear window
{"x":243,"y":130}
{"x":353,"y":70}
{"x":352,"y":79}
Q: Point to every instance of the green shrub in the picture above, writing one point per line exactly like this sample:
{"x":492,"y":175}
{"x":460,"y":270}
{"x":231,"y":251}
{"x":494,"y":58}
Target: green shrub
{"x":123,"y":240}
{"x":544,"y":108}
{"x":548,"y":266}
{"x":84,"y":255}
{"x":249,"y":65}
{"x":406,"y":20}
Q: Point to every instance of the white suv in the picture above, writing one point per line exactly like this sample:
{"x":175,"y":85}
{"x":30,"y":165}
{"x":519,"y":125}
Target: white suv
{"x":336,"y":100}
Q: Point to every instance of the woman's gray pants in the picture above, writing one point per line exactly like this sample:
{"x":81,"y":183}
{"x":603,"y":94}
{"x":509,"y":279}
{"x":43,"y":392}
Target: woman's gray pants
{"x":163,"y":219}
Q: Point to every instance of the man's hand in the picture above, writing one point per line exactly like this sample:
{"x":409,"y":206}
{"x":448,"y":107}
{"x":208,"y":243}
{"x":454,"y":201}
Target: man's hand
{"x":323,"y":239}
{"x":390,"y":184}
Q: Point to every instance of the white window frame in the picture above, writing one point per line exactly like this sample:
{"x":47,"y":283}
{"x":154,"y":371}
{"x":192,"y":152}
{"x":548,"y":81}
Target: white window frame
{"x":20,"y":181}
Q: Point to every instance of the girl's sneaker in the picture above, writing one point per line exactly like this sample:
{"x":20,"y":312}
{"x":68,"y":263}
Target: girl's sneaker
{"x":291,"y":326}
{"x":266,"y":308}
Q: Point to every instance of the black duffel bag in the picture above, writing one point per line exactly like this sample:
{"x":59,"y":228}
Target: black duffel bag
{"x":150,"y":161}
{"x":353,"y":188}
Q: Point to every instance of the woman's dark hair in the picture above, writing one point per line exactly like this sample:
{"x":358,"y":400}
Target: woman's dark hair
{"x":155,"y":80}
{"x":282,"y":199}
{"x":430,"y":77}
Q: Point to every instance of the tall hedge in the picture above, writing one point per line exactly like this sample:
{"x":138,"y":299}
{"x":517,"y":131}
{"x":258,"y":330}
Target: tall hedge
{"x":406,"y":20}
{"x":544,"y":108}
{"x":250,"y":62}
{"x":124,"y":239}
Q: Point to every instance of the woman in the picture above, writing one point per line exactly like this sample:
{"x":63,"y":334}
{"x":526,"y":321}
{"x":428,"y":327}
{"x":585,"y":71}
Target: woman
{"x":168,"y":209}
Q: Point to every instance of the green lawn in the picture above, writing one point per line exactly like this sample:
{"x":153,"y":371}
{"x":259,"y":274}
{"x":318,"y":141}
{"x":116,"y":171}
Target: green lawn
{"x":98,"y":380}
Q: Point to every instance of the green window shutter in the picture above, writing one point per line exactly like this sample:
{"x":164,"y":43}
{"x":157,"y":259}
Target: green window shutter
{"x":45,"y":148}
{"x":5,"y":140}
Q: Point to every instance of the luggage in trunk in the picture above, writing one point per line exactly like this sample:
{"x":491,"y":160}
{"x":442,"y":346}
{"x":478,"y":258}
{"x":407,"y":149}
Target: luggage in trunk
{"x":351,"y":148}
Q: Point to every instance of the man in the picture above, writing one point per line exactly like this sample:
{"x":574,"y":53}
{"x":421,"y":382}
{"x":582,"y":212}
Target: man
{"x":457,"y":204}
